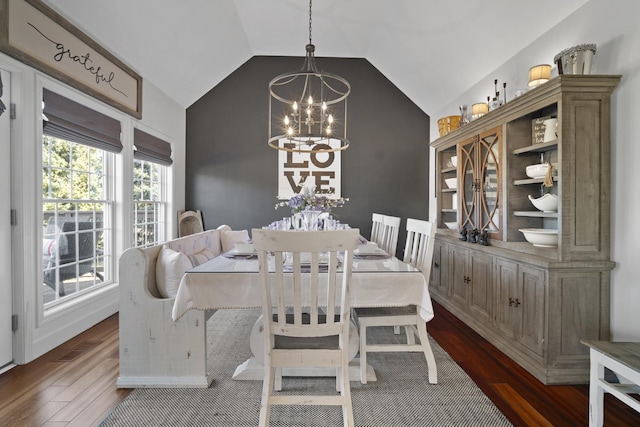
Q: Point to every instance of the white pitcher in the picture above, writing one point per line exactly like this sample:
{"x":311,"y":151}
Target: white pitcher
{"x":550,"y":130}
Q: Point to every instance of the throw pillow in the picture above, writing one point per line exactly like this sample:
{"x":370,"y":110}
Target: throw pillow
{"x":200,"y":257}
{"x":230,"y":238}
{"x":170,"y":268}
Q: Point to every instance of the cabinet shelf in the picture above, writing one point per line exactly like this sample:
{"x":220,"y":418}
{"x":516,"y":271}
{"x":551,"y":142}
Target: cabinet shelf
{"x":449,"y":190}
{"x":536,"y":214}
{"x":528,"y":181}
{"x":451,"y":169}
{"x":448,"y":210}
{"x":538,"y":148}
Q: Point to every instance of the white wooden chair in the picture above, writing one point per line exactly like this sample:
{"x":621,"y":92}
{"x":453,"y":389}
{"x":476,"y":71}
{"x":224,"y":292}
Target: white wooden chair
{"x":384,"y":232}
{"x":418,"y":252}
{"x":306,"y":316}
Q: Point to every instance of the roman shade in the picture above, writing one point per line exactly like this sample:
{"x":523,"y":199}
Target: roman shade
{"x":151,"y":149}
{"x":66,"y":119}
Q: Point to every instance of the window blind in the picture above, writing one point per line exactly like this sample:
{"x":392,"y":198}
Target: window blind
{"x":74,"y":122}
{"x":150,"y":148}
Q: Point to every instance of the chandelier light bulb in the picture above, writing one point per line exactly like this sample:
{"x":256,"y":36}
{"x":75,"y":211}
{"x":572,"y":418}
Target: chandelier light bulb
{"x":324,"y":106}
{"x":286,"y":120}
{"x":310,"y":100}
{"x":295,"y":106}
{"x":330,"y":118}
{"x":290,"y":131}
{"x":308,"y":111}
{"x":328,"y":130}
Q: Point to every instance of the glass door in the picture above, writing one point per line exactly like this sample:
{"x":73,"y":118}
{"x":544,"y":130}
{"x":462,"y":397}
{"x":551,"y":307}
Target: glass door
{"x":481,"y":183}
{"x":489,"y":184}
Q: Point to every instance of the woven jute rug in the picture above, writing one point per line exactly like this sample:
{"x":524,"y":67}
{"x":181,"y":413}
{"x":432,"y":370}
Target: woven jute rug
{"x":402,"y":395}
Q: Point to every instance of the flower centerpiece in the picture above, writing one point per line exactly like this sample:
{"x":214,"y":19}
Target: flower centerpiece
{"x":309,"y":200}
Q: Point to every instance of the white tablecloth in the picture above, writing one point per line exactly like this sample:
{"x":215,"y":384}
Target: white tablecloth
{"x":234,"y":283}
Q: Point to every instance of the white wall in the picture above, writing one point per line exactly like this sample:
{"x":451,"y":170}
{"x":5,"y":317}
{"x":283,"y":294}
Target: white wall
{"x":168,"y":118}
{"x":613,"y":27}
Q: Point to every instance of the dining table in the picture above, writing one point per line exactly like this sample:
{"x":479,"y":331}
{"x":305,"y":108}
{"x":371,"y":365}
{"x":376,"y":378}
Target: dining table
{"x":231,"y":281}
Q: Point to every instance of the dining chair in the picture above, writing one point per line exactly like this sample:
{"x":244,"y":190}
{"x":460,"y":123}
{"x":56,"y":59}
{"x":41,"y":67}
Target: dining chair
{"x":418,"y":252}
{"x":305,"y":278}
{"x":384,"y":232}
{"x":190,"y":222}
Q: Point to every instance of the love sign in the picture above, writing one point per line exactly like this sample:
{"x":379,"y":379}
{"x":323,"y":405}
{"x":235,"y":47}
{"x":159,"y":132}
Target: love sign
{"x":309,"y":169}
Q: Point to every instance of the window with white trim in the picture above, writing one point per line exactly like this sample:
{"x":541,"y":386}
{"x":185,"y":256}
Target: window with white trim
{"x":151,"y":158}
{"x":78,"y":150}
{"x":149,"y":203}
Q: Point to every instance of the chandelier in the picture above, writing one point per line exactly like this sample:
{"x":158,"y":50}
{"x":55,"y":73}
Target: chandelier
{"x":308,"y":108}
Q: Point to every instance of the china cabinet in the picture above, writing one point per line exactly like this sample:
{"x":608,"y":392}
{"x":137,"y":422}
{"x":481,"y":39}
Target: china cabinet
{"x":533,"y":302}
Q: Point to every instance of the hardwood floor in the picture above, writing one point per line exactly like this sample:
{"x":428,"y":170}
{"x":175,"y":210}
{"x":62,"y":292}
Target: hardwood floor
{"x":74,"y":385}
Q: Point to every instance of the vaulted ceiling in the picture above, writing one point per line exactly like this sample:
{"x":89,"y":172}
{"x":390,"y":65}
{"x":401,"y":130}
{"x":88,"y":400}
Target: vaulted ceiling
{"x":432,"y":50}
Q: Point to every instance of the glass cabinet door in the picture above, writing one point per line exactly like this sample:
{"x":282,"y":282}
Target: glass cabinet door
{"x":468,"y":178}
{"x":489,"y":185}
{"x":480,"y":183}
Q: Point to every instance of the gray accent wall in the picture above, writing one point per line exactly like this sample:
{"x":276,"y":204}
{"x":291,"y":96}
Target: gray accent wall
{"x":231,"y":172}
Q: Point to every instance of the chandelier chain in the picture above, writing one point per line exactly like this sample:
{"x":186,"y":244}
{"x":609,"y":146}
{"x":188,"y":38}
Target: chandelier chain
{"x":310,"y":21}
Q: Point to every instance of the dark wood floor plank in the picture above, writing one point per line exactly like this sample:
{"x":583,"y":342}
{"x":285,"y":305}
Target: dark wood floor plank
{"x":560,"y":405}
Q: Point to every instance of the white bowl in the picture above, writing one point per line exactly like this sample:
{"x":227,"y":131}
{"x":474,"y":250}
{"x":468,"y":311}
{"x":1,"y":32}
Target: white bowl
{"x":541,"y":237}
{"x":454,"y":161}
{"x":546,"y":203}
{"x":540,"y":170}
{"x":452,"y":225}
{"x":452,"y":183}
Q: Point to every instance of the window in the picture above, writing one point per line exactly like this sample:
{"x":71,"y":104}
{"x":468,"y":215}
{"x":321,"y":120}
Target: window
{"x":148,"y":199}
{"x":76,"y":216}
{"x":152,"y":156}
{"x":78,"y":150}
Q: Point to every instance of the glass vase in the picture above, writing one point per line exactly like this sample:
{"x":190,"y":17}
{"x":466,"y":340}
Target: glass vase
{"x":311,"y":218}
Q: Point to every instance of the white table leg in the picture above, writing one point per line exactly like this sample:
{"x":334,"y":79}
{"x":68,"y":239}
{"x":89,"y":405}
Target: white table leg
{"x":596,"y":393}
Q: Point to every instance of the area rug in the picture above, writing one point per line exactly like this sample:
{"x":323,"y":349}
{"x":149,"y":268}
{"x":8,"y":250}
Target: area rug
{"x":402,"y":396}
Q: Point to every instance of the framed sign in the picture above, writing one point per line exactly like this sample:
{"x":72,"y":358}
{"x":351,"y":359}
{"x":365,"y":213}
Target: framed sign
{"x":38,"y":36}
{"x":299,"y":169}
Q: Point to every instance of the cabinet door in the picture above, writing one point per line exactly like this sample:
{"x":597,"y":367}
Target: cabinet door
{"x":459,"y":259}
{"x":489,"y":184}
{"x":438,"y":280}
{"x":480,"y":288}
{"x":481,"y":184}
{"x":467,"y":183}
{"x":533,"y":296}
{"x":507,"y":308}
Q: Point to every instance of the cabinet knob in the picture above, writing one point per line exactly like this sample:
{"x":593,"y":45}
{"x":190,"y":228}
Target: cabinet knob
{"x":466,"y":279}
{"x":517,"y":302}
{"x":514,"y":302}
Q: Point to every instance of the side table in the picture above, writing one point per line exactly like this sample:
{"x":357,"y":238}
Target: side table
{"x":623,"y":359}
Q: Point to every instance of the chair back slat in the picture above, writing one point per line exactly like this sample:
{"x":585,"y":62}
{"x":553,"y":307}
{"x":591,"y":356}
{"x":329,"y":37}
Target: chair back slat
{"x":418,"y":250}
{"x":301,"y":279}
{"x":384,"y":232}
{"x":377,"y":228}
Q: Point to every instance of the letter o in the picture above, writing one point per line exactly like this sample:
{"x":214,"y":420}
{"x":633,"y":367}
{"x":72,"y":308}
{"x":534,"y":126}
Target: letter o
{"x":314,"y":156}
